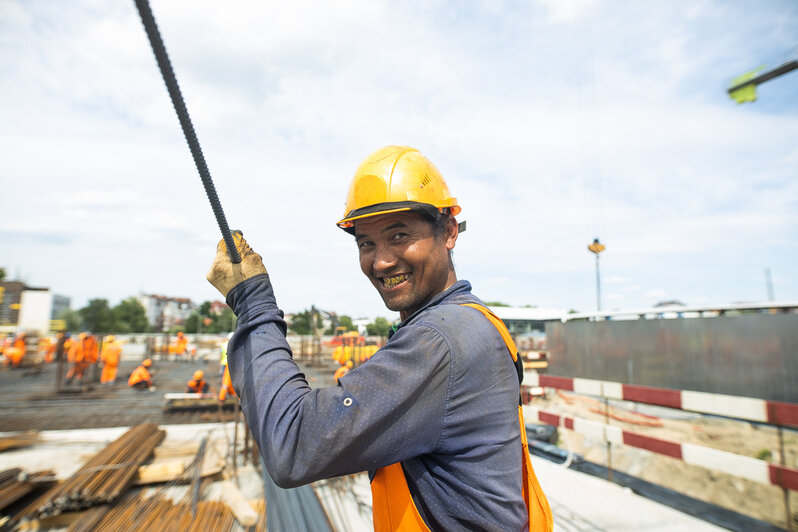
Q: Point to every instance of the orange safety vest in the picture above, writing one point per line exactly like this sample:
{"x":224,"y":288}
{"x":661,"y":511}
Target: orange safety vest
{"x":393,"y":508}
{"x":140,"y":374}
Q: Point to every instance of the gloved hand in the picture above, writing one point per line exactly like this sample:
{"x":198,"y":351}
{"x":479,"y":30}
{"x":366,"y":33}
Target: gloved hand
{"x":224,"y":275}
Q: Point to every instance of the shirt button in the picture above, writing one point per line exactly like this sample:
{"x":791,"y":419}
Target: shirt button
{"x":348,"y":401}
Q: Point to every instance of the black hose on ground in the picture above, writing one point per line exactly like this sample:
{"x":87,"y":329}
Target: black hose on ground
{"x":169,"y":78}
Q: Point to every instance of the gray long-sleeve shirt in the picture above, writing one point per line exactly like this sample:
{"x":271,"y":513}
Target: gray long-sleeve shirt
{"x":441,"y":397}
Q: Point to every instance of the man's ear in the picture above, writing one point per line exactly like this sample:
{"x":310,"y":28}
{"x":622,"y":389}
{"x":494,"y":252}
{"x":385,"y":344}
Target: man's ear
{"x":451,"y":233}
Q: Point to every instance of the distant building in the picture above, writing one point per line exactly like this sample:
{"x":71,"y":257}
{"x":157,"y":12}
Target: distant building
{"x":217,"y":307}
{"x":164,"y":312}
{"x":25,"y":308}
{"x":60,"y":303}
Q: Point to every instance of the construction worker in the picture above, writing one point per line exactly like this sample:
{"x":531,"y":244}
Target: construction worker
{"x":75,"y":357}
{"x":434,"y":415}
{"x":48,"y":346}
{"x":227,"y":385}
{"x":179,"y":347}
{"x":14,"y":352}
{"x":197,"y":384}
{"x":141,"y":378}
{"x":343,"y":370}
{"x":111,"y":353}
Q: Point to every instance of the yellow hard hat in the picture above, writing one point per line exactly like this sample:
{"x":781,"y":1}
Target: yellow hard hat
{"x":395,"y":179}
{"x":198,"y":375}
{"x":146,"y":362}
{"x":110,"y":338}
{"x":349,"y":364}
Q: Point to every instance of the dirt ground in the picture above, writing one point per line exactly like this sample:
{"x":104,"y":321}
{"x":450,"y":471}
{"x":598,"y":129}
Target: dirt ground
{"x":765,"y":502}
{"x":29,"y":400}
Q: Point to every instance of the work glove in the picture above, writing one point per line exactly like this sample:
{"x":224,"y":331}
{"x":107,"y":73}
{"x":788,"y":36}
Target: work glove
{"x":224,"y":275}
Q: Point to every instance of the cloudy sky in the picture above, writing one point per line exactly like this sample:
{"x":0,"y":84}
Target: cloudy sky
{"x":553,"y":121}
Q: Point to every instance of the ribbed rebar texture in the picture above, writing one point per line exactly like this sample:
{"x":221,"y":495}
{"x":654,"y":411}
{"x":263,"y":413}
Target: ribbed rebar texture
{"x":104,"y":477}
{"x":15,"y":484}
{"x":158,"y":514}
{"x":170,"y":80}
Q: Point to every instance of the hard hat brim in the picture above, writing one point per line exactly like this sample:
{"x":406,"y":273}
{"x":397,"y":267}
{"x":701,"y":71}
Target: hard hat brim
{"x":431,"y":211}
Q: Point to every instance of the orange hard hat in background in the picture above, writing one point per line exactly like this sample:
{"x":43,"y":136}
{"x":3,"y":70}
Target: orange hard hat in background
{"x":146,"y":362}
{"x":198,"y":375}
{"x":395,"y":179}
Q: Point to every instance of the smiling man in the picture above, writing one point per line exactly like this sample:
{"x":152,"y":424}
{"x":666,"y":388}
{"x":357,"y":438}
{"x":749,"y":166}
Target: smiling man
{"x":433,"y":415}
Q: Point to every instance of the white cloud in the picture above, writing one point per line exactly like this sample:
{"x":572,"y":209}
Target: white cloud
{"x":554,"y":123}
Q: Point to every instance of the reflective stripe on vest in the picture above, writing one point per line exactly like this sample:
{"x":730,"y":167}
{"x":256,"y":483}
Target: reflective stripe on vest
{"x":393,"y":508}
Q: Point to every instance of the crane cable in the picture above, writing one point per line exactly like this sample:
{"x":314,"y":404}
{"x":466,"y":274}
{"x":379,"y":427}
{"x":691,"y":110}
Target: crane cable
{"x":170,"y":80}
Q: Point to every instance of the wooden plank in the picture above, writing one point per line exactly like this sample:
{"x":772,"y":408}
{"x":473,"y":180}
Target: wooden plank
{"x":245,"y":514}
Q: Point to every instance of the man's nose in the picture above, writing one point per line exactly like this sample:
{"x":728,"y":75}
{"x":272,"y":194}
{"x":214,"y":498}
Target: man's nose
{"x":384,"y":258}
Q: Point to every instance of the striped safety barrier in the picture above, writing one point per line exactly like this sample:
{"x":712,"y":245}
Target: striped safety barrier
{"x":747,"y":408}
{"x":730,"y":463}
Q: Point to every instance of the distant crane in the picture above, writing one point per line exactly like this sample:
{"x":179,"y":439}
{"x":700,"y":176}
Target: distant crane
{"x":743,"y":87}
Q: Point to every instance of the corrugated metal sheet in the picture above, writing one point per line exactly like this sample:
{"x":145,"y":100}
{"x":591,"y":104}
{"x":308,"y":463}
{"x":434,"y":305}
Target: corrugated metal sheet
{"x":753,"y":355}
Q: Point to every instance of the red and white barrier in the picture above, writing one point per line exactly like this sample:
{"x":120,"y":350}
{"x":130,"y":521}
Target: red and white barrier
{"x":733,"y":464}
{"x":747,"y":408}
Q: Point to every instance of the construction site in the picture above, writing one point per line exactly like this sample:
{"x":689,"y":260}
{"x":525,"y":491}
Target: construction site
{"x":107,"y":456}
{"x":671,"y":407}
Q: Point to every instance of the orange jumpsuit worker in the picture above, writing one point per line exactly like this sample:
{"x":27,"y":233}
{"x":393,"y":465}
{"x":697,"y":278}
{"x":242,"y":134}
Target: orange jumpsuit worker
{"x":227,"y":385}
{"x":343,"y":370}
{"x":48,"y":345}
{"x":16,"y":352}
{"x":75,"y":358}
{"x":90,"y":349}
{"x":110,"y":360}
{"x":197,"y":384}
{"x":141,"y":378}
{"x":181,"y":344}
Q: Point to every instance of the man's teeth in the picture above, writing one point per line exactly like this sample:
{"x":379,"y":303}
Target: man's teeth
{"x":390,"y":282}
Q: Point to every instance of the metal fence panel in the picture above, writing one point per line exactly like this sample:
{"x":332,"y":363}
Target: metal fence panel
{"x":752,"y":355}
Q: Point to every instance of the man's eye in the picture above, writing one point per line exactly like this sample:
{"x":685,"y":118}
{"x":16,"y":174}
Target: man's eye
{"x":398,"y":236}
{"x":363,"y":244}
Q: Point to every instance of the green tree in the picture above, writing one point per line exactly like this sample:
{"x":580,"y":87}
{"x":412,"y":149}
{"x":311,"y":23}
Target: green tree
{"x":379,"y":327}
{"x":341,"y":321}
{"x":226,"y":321}
{"x":192,"y":322}
{"x":71,"y":318}
{"x":300,"y":323}
{"x":97,"y":316}
{"x":130,"y":316}
{"x":496,"y":304}
{"x":2,"y":274}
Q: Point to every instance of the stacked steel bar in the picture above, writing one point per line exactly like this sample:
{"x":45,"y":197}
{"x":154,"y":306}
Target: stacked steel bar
{"x":159,"y":514}
{"x":103,"y":478}
{"x":21,"y":439}
{"x":14,"y":484}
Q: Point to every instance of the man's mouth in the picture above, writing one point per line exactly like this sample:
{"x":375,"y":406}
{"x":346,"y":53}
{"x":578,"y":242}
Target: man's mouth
{"x":392,"y":282}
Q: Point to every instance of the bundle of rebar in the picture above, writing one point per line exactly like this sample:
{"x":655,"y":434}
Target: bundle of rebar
{"x":15,"y":484}
{"x":21,"y":439}
{"x":103,"y":478}
{"x":158,"y":513}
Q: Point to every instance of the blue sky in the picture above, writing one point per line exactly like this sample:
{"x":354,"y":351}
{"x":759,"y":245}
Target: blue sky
{"x":554,"y":122}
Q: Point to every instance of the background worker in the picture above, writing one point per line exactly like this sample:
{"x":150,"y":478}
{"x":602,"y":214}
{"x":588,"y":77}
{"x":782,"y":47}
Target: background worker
{"x":198,"y":384}
{"x":141,"y":379}
{"x":15,"y":351}
{"x":111,"y":353}
{"x":180,"y":345}
{"x":75,"y":358}
{"x":343,"y":370}
{"x":434,"y":415}
{"x":227,"y":385}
